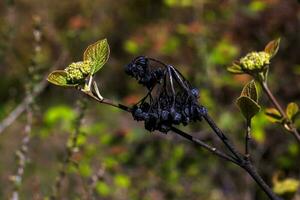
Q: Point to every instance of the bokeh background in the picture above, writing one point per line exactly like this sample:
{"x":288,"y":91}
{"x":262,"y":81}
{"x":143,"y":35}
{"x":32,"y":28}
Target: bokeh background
{"x":201,"y":38}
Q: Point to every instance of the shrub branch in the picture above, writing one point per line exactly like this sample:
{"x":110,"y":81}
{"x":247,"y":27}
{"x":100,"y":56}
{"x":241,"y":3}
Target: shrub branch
{"x":237,"y":158}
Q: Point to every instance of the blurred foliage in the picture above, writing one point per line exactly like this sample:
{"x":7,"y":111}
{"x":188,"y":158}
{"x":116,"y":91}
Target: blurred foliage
{"x":199,"y":37}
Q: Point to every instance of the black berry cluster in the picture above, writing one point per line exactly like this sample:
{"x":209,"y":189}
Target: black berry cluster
{"x":170,"y":100}
{"x":139,"y":68}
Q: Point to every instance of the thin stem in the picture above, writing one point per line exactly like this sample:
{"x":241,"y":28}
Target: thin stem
{"x":222,"y":136}
{"x":22,"y":156}
{"x":237,"y":159}
{"x":204,"y":145}
{"x":291,"y":127}
{"x":97,"y":176}
{"x":107,"y":101}
{"x":37,"y":90}
{"x":175,"y":130}
{"x":69,"y":152}
{"x":248,"y":139}
{"x":273,"y":99}
{"x":253,"y":173}
{"x":242,"y":162}
{"x":153,"y":59}
{"x":22,"y":153}
{"x":172,"y":86}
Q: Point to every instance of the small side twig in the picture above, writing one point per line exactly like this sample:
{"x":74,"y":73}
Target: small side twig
{"x":70,"y":150}
{"x":199,"y":142}
{"x":37,"y":90}
{"x":248,"y":139}
{"x":243,"y":162}
{"x":22,"y":153}
{"x":94,"y":179}
{"x":22,"y":156}
{"x":235,"y":158}
{"x":291,"y":126}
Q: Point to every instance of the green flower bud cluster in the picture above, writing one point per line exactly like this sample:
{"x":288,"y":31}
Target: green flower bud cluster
{"x":255,"y":61}
{"x":78,"y":71}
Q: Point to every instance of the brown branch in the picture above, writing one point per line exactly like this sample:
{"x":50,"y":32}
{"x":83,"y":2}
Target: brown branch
{"x":81,"y":106}
{"x":37,"y":90}
{"x":236,"y":158}
{"x":292,"y":128}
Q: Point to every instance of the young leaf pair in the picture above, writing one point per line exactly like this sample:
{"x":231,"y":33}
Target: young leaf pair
{"x":292,"y":112}
{"x":94,"y":58}
{"x":256,"y":64}
{"x":248,"y":101}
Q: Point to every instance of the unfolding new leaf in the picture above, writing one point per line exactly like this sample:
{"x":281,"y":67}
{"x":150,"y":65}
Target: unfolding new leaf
{"x":274,"y":115}
{"x":292,"y":110}
{"x":248,"y":107}
{"x":97,"y":54}
{"x":272,"y":47}
{"x":250,"y":91}
{"x":235,"y":69}
{"x":59,"y":77}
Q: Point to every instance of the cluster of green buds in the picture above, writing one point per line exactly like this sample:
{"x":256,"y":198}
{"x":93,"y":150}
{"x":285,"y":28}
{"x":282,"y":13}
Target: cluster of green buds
{"x":94,"y":58}
{"x":78,"y":71}
{"x":255,"y":61}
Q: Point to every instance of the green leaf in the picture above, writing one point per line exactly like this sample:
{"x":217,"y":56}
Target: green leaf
{"x":248,"y":107}
{"x":235,"y":69}
{"x":131,"y":47}
{"x":250,"y":91}
{"x":85,"y":169}
{"x":103,"y":189}
{"x":272,"y":47}
{"x":285,"y":186}
{"x":59,"y":77}
{"x":97,"y":54}
{"x":122,"y":181}
{"x":292,"y":110}
{"x":273,"y":115}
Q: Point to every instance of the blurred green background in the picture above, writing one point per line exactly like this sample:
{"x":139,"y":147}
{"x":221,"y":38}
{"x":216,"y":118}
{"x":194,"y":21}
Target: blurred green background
{"x":201,"y":38}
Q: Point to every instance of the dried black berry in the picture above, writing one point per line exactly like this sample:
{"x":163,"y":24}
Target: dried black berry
{"x":175,"y":101}
{"x":195,"y":92}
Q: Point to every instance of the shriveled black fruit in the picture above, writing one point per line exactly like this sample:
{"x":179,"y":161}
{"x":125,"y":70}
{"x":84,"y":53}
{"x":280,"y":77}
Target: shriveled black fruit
{"x":165,"y":115}
{"x":164,"y":128}
{"x":176,"y":101}
{"x":176,"y":118}
{"x":138,"y":114}
{"x":195,"y":92}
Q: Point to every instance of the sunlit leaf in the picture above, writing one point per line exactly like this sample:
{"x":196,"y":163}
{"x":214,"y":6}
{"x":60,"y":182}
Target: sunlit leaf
{"x":258,"y":128}
{"x":97,"y":54}
{"x":223,"y":53}
{"x":131,"y":47}
{"x":179,"y":3}
{"x":171,"y":45}
{"x":273,"y":115}
{"x":59,"y":77}
{"x":292,"y":111}
{"x":61,"y":114}
{"x":103,"y":189}
{"x":250,"y":91}
{"x":122,"y":181}
{"x":248,"y":107}
{"x":272,"y":47}
{"x":257,"y":5}
{"x":288,"y":185}
{"x":85,"y":169}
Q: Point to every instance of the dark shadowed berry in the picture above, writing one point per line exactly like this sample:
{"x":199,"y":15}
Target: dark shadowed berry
{"x":171,"y":100}
{"x":195,"y":92}
{"x":176,"y":118}
{"x":164,"y":115}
